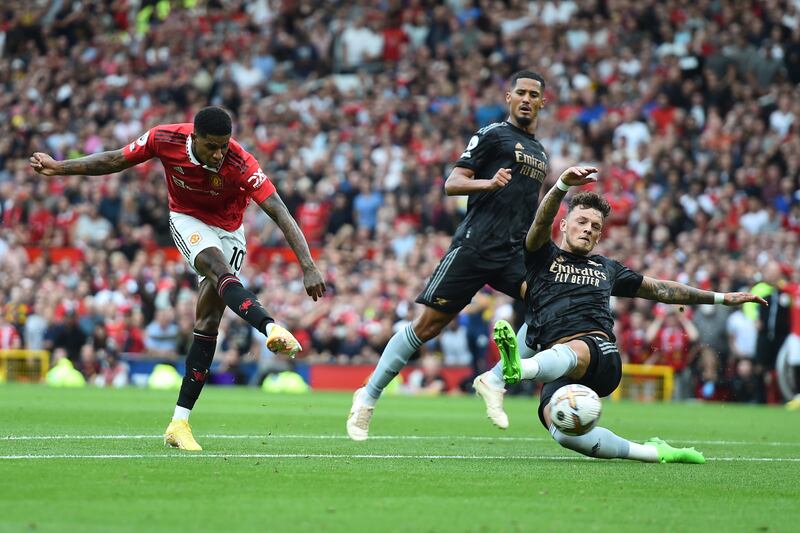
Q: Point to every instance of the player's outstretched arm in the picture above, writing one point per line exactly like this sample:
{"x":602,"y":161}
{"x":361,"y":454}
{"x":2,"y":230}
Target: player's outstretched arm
{"x":672,"y":292}
{"x":277,"y":211}
{"x":90,"y":165}
{"x":541,"y":229}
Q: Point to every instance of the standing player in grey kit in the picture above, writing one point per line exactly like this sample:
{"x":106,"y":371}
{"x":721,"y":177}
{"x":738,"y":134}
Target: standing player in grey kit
{"x":502,"y":170}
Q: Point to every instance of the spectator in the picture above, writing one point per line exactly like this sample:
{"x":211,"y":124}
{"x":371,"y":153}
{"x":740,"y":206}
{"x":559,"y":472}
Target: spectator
{"x":114,"y":372}
{"x":742,"y":336}
{"x":9,"y":336}
{"x":454,"y":345}
{"x":747,"y":386}
{"x":365,"y":205}
{"x":710,"y":321}
{"x":89,"y":364}
{"x":773,"y":321}
{"x":70,"y":337}
{"x":672,"y":335}
{"x":161,"y":336}
{"x":633,"y":343}
{"x":709,"y":386}
{"x":427,"y":380}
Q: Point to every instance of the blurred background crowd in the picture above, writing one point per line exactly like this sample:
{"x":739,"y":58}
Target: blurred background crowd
{"x":356,"y":110}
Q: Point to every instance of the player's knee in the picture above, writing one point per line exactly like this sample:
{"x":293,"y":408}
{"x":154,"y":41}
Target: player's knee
{"x":428,"y":326}
{"x":583,"y":357}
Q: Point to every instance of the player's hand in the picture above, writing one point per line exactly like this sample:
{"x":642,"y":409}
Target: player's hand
{"x":576,"y":176}
{"x":44,"y":164}
{"x":500,"y":179}
{"x":315,"y":285}
{"x":739,"y":298}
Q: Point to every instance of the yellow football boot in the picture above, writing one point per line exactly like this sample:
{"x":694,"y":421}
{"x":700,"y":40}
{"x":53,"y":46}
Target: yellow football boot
{"x":179,"y":435}
{"x":280,"y":341}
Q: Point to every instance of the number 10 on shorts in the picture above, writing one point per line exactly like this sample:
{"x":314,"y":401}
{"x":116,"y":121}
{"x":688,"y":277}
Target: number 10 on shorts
{"x":237,"y":257}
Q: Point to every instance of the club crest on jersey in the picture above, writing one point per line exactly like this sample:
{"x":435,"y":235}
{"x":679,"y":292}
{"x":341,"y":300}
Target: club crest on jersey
{"x":194,"y":238}
{"x":216,"y":181}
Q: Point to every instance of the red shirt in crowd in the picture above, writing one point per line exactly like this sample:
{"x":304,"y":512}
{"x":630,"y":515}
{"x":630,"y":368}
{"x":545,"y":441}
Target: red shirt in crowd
{"x":217,"y":197}
{"x":393,"y":41}
{"x":312,"y":217}
{"x":634,"y":343}
{"x":9,"y":337}
{"x":673,"y":345}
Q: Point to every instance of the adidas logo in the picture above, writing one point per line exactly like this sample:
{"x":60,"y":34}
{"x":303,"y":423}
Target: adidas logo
{"x":593,"y":263}
{"x":519,"y":146}
{"x":560,"y":259}
{"x":178,"y":169}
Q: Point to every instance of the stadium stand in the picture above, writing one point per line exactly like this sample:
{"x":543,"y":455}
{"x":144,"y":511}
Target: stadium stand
{"x":355,"y":112}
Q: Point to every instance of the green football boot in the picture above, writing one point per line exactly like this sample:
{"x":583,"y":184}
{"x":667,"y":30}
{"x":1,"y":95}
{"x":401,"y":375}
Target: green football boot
{"x":668,"y":454}
{"x":506,"y":341}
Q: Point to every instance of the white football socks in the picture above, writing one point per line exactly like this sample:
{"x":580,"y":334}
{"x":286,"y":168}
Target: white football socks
{"x":394,"y":357}
{"x":181,"y":413}
{"x":366,"y":399}
{"x":493,"y":380}
{"x":602,"y":443}
{"x":549,"y":365}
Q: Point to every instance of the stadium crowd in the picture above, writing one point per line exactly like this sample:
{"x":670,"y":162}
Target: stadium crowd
{"x":355,"y":111}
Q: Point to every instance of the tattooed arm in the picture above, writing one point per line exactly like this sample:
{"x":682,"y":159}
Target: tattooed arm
{"x":277,"y":211}
{"x":672,"y":292}
{"x":542,"y":226}
{"x":91,"y":165}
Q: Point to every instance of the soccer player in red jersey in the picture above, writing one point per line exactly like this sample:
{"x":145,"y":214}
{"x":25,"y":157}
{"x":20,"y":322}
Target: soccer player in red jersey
{"x":211,"y":180}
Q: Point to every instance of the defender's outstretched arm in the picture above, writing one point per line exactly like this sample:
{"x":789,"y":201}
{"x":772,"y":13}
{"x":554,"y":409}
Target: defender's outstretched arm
{"x":672,"y":292}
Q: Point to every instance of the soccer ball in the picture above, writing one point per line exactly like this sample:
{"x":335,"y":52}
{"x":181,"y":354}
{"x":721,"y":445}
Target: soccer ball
{"x":575,"y":409}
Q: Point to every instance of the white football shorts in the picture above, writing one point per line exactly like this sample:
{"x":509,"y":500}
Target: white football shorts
{"x":192,"y":236}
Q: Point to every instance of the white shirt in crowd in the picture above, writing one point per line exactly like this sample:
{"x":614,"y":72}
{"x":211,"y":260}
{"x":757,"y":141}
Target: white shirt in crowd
{"x":744,"y":334}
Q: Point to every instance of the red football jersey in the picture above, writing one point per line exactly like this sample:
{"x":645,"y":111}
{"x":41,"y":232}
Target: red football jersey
{"x":793,"y":290}
{"x":217,"y":197}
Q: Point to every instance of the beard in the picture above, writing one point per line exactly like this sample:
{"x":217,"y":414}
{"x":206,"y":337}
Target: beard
{"x":524,"y":121}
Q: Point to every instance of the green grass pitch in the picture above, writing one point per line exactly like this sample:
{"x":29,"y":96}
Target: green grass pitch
{"x":93,"y":460}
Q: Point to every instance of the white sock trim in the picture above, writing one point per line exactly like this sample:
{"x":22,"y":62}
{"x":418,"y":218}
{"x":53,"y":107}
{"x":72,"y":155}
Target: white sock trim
{"x":366,"y":399}
{"x":181,"y":413}
{"x":530,"y":368}
{"x":643,"y":452}
{"x":493,"y":380}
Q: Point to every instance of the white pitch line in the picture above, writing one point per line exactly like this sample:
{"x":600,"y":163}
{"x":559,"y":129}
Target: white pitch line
{"x":374,"y":437}
{"x":353,"y":456}
{"x":270,"y":436}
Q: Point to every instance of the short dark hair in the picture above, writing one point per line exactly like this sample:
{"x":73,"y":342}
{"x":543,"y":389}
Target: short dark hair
{"x":212,"y":120}
{"x":527,"y":74}
{"x":590,"y":200}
